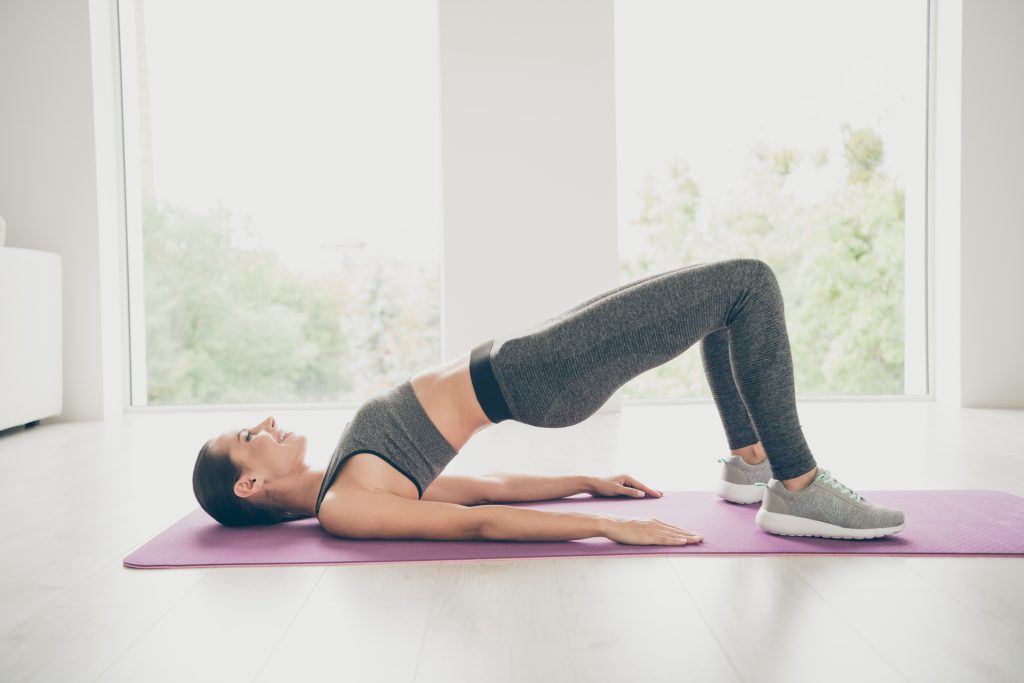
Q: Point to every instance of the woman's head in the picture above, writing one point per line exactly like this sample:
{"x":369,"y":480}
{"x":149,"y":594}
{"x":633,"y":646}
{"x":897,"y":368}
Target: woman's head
{"x":240,"y":475}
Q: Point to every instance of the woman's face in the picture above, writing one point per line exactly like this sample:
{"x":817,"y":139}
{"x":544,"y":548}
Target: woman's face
{"x":263,"y":451}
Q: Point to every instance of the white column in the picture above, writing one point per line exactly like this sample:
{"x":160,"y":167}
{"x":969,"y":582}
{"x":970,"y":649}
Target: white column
{"x":528,"y":163}
{"x":993,"y":204}
{"x":944,"y":188}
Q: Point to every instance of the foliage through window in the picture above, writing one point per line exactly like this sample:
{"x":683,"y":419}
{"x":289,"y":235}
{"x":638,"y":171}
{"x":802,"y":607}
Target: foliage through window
{"x":288,"y":196}
{"x":776,"y":131}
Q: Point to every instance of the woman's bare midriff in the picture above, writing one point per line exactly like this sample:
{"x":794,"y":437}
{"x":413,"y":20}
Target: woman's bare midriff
{"x":446,"y":393}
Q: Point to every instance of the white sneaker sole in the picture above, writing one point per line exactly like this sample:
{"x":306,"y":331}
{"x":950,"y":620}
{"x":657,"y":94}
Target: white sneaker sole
{"x":791,"y":525}
{"x":740,"y":493}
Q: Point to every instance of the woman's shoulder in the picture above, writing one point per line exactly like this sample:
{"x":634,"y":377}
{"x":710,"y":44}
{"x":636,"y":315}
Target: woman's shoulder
{"x":361,"y":477}
{"x":364,"y":471}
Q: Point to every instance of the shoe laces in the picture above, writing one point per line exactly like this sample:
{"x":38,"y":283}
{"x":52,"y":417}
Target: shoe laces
{"x":826,"y":477}
{"x":726,"y":461}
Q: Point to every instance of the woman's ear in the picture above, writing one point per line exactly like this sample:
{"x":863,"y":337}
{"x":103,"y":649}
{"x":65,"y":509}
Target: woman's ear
{"x":248,"y":486}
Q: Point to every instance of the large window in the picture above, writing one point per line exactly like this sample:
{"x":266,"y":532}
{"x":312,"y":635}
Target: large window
{"x":793,"y":131}
{"x":284,"y":200}
{"x":283,"y":185}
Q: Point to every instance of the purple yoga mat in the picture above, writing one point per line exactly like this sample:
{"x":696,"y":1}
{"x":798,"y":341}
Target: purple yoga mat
{"x":954,"y":522}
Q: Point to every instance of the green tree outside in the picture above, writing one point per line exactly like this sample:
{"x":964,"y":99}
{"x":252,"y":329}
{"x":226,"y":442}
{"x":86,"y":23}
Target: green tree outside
{"x":839,"y":262}
{"x":232,"y":325}
{"x":225,"y":324}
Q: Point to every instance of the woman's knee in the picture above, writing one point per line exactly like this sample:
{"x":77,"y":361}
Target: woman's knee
{"x":758,"y":272}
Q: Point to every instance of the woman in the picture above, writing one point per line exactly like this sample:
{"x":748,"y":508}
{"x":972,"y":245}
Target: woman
{"x":384,"y":479}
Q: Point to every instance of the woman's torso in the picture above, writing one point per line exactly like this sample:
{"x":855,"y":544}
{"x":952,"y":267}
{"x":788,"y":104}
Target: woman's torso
{"x":446,"y":394}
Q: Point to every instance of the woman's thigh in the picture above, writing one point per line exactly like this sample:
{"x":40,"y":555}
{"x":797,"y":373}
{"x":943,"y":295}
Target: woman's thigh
{"x":563,"y":370}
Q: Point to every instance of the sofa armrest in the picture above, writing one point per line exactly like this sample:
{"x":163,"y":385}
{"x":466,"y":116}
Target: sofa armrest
{"x":31,"y":336}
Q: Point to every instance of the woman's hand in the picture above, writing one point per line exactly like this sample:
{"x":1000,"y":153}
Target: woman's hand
{"x":647,"y":532}
{"x":637,"y":531}
{"x":621,"y":485}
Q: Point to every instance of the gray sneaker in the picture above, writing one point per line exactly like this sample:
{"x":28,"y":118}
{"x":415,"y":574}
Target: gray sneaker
{"x":739,"y":479}
{"x":825,"y":508}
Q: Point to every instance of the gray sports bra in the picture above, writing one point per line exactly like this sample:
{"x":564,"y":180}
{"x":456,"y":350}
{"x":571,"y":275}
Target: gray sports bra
{"x":393,"y":426}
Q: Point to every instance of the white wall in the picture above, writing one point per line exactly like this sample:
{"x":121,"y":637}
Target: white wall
{"x":56,"y":185}
{"x":944,"y":188}
{"x":993,"y":204}
{"x":529,"y":215}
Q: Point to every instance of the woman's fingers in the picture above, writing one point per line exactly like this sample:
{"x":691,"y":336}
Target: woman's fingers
{"x":687,"y":538}
{"x":630,"y":481}
{"x":678,"y":530}
{"x":693,"y":534}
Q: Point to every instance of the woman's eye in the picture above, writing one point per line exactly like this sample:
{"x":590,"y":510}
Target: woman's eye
{"x":248,"y":435}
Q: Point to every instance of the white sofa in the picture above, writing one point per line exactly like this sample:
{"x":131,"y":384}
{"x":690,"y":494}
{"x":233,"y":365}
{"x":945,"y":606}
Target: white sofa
{"x":31,"y":367}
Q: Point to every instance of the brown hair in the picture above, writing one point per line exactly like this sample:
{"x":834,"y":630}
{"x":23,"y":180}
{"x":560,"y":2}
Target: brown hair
{"x":213,"y":481}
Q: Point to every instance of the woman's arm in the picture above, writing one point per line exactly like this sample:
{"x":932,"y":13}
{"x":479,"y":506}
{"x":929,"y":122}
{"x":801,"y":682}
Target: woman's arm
{"x":376,"y":515}
{"x":515,"y":487}
{"x":373,"y":514}
{"x":461,"y":489}
{"x":508,"y":523}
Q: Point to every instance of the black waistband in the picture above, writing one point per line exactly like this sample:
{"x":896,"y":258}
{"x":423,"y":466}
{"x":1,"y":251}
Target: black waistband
{"x":488,"y":393}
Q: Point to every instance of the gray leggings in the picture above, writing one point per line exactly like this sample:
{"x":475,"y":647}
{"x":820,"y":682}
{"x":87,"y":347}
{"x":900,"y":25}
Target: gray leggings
{"x":561,"y":371}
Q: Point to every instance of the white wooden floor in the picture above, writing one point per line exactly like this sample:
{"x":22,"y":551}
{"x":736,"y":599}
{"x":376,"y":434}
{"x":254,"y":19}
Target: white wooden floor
{"x":75,"y":498}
